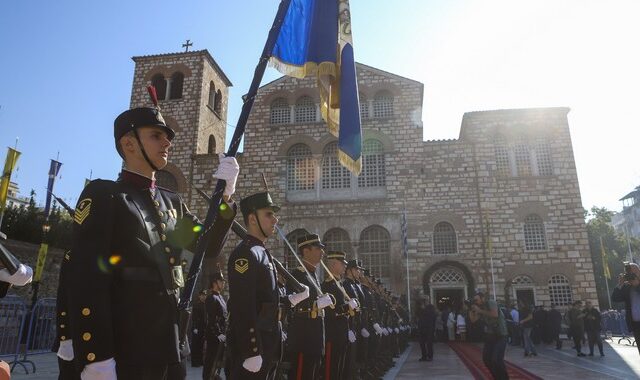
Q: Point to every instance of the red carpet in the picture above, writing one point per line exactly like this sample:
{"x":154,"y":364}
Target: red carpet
{"x":471,"y":356}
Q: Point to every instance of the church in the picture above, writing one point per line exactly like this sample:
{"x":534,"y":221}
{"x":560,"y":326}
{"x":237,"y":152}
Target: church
{"x":498,"y":208}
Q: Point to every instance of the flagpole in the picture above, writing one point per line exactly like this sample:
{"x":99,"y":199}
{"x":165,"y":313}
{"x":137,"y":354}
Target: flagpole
{"x":406,"y":257}
{"x":605,"y":270}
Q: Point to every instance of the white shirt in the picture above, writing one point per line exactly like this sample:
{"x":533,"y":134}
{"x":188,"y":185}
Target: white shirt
{"x":515,"y":315}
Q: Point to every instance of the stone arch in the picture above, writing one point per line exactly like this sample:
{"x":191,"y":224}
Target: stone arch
{"x":470,"y":282}
{"x":181,"y":181}
{"x":167,"y":71}
{"x":532,"y":207}
{"x":299,"y":139}
{"x":386,"y":141}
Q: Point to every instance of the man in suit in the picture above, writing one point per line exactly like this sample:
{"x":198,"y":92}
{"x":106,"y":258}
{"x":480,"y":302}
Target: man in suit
{"x":628,"y":291}
{"x":130,"y":241}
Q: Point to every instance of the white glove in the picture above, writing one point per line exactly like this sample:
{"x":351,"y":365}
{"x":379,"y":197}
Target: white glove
{"x":228,"y":170}
{"x":252,"y":364}
{"x":299,"y":297}
{"x":397,"y":330}
{"x":65,"y":351}
{"x":353,"y":303}
{"x":385,"y":331}
{"x":195,"y":331}
{"x":377,"y":327}
{"x":324,"y":301}
{"x":364,"y":332}
{"x":352,"y":336}
{"x":222,"y":338}
{"x":104,"y":370}
{"x":23,"y":275}
{"x":284,"y":336}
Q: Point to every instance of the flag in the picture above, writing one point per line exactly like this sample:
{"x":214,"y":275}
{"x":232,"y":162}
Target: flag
{"x":53,"y":173}
{"x":315,"y":40}
{"x":404,"y":231}
{"x":42,"y":256}
{"x":9,"y":165}
{"x":605,"y":264}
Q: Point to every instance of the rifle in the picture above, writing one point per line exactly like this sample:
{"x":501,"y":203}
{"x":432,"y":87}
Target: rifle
{"x":64,"y":204}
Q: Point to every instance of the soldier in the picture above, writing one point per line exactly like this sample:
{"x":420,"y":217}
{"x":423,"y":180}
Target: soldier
{"x":254,"y":297}
{"x":197,"y":329}
{"x":358,"y":352}
{"x":306,"y":328}
{"x":338,"y":332}
{"x":127,"y":257}
{"x":216,"y":324}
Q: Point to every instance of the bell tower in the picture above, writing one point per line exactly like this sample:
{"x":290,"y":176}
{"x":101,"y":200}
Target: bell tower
{"x":193,"y":94}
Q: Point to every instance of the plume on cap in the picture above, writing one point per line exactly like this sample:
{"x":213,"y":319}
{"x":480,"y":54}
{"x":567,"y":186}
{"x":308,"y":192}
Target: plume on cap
{"x":153,"y":95}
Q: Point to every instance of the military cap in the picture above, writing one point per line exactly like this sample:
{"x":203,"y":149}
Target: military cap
{"x":337,"y":255}
{"x":309,"y":239}
{"x":257,"y":201}
{"x":354,"y":264}
{"x":139,"y":117}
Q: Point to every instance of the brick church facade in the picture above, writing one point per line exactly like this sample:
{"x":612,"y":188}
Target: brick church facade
{"x":501,"y":199}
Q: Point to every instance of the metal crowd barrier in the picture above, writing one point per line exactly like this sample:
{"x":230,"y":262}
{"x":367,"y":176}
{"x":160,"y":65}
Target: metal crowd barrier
{"x":614,"y":324}
{"x":13,"y":314}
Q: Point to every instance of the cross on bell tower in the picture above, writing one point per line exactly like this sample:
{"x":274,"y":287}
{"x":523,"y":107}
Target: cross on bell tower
{"x":186,"y":46}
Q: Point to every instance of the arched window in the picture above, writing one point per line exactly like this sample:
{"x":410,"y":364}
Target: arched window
{"x":523,"y":160}
{"x":560,"y":290}
{"x":300,"y":168}
{"x":160,"y":84}
{"x":305,"y":110}
{"x":444,"y":239}
{"x":334,"y":175}
{"x":212,"y":95}
{"x":364,"y":106}
{"x":373,"y":165}
{"x":447,"y":276}
{"x":177,"y":81}
{"x":543,"y":158}
{"x":337,"y":239}
{"x":374,"y":250}
{"x":534,"y":236}
{"x":503,"y":166}
{"x":280,"y":111}
{"x":166,"y":180}
{"x":217,"y":106}
{"x":522,"y":280}
{"x":383,"y":104}
{"x":211,"y":147}
{"x":292,"y":238}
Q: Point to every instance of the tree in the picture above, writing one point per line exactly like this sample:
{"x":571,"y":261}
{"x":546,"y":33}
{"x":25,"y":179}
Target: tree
{"x":615,"y":245}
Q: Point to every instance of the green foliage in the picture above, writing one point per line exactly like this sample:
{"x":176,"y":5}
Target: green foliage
{"x":615,"y":246}
{"x":25,"y":224}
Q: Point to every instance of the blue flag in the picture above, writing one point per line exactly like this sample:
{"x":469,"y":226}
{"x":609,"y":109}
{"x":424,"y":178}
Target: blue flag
{"x":53,"y":173}
{"x":315,"y":40}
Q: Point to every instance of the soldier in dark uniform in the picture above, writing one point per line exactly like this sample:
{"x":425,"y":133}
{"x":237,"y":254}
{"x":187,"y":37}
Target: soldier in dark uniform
{"x":254,"y":338}
{"x":306,"y":328}
{"x":216,"y":323}
{"x":126,"y":264}
{"x":358,"y":351}
{"x":197,"y":330}
{"x":338,"y":332}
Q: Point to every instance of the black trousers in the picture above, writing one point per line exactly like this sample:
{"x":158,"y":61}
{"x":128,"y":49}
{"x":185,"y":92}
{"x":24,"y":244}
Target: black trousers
{"x":426,"y":344}
{"x":197,"y":345}
{"x":635,"y":327}
{"x":141,"y":373}
{"x":335,"y":355}
{"x":577,"y":336}
{"x":304,"y":366}
{"x":213,"y":344}
{"x":67,"y":370}
{"x":594,"y":338}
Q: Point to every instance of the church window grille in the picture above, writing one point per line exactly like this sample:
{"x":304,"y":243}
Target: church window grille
{"x":334,"y":175}
{"x":292,"y":238}
{"x":280,"y":111}
{"x":337,"y":239}
{"x":444,"y":239}
{"x":177,"y":82}
{"x":373,"y":165}
{"x":160,"y":83}
{"x":447,"y":276}
{"x":374,"y":250}
{"x":364,"y":107}
{"x":543,"y":159}
{"x":383,"y":104}
{"x":523,"y":160}
{"x":503,"y":167}
{"x":560,"y":290}
{"x":305,"y":110}
{"x":300,"y":168}
{"x":534,"y":234}
{"x":522,"y":280}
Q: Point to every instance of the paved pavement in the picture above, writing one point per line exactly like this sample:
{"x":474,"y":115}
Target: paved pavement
{"x":620,"y":362}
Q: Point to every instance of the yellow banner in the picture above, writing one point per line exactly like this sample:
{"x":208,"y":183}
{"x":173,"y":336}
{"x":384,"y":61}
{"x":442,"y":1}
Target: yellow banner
{"x":605,"y":264}
{"x":9,"y":165}
{"x":42,"y":255}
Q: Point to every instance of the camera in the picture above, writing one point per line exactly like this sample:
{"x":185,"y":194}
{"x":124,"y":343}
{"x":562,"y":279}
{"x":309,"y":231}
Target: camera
{"x":629,"y":276}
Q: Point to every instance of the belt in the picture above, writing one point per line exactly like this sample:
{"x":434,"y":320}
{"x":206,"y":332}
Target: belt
{"x":309,"y":314}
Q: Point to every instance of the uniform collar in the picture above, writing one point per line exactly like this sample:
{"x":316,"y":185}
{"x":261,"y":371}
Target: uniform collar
{"x":253,"y":241}
{"x":138,"y":180}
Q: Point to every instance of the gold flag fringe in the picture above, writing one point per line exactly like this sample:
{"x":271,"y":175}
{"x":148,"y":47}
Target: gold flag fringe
{"x":354,"y":166}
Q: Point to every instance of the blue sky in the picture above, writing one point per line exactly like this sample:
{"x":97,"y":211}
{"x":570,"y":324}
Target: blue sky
{"x":66,"y":71}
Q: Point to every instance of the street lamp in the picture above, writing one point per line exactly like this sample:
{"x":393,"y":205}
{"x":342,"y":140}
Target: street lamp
{"x":46,"y":228}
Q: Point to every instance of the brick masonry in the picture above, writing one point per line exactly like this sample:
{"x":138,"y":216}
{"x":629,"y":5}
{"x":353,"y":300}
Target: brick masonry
{"x":456,"y":181}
